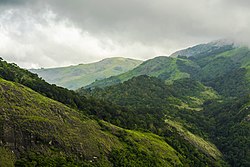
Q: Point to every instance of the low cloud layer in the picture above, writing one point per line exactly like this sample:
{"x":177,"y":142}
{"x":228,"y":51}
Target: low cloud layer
{"x":49,"y":33}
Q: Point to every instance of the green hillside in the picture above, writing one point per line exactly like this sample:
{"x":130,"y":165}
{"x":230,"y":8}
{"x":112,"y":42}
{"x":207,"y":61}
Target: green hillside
{"x":149,"y":102}
{"x":36,"y":130}
{"x":201,"y":94}
{"x":44,"y":132}
{"x":227,"y":72}
{"x":165,"y":68}
{"x":226,"y":68}
{"x":74,"y":77}
{"x":141,"y":90}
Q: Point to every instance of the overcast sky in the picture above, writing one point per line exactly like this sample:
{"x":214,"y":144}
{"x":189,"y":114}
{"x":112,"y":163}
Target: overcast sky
{"x":50,"y":33}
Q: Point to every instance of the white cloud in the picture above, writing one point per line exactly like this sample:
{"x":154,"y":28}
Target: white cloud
{"x":46,"y":33}
{"x":43,"y":40}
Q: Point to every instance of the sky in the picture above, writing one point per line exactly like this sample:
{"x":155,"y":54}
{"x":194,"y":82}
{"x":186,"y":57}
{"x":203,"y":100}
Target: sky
{"x":52,"y":33}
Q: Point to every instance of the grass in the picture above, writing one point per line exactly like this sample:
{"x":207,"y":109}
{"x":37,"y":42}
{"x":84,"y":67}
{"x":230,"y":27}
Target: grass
{"x":162,"y":67}
{"x":7,"y":158}
{"x":205,"y":146}
{"x":74,"y":77}
{"x":49,"y":132}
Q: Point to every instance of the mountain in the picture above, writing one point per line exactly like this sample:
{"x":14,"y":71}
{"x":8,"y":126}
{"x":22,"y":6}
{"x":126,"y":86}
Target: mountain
{"x":193,"y":111}
{"x":153,"y":105}
{"x":41,"y":131}
{"x":227,"y":72}
{"x":166,"y":68}
{"x":213,"y":47}
{"x":37,"y":129}
{"x":188,"y":108}
{"x":74,"y":77}
{"x":202,"y":94}
{"x":222,"y":65}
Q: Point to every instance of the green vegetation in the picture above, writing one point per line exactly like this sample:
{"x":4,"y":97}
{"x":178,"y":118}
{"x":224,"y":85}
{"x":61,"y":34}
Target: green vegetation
{"x":7,"y":158}
{"x":69,"y":138}
{"x":74,"y":77}
{"x":225,"y":68}
{"x":205,"y":146}
{"x":199,"y":84}
{"x":192,"y":109}
{"x":162,"y":67}
{"x":44,"y":132}
{"x":148,"y":101}
{"x":141,"y":90}
{"x":70,"y":98}
{"x":228,"y":123}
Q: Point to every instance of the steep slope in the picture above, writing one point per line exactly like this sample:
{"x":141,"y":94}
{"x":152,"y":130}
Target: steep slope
{"x":74,"y":77}
{"x":165,"y":68}
{"x":42,"y":131}
{"x":207,"y":147}
{"x":70,"y":98}
{"x":149,"y":102}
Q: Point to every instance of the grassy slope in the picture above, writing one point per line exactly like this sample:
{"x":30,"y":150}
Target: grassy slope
{"x":39,"y":129}
{"x":7,"y":158}
{"x":205,"y":146}
{"x":165,"y":68}
{"x":74,"y":77}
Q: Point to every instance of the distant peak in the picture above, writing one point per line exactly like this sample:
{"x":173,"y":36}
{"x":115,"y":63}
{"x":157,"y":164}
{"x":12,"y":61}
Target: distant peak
{"x":223,"y":42}
{"x":118,"y":58}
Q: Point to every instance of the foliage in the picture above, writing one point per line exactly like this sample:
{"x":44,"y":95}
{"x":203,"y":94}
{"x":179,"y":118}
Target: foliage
{"x":147,"y":101}
{"x":44,"y":132}
{"x":7,"y":158}
{"x":162,"y":67}
{"x":231,"y":119}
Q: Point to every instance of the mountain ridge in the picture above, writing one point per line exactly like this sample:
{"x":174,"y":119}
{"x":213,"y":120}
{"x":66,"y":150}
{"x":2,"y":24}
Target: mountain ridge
{"x":214,"y":46}
{"x":163,"y":67}
{"x":76,"y":76}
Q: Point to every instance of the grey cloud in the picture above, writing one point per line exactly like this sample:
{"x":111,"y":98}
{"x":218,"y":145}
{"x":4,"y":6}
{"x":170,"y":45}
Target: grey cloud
{"x":161,"y":26}
{"x":153,"y":22}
